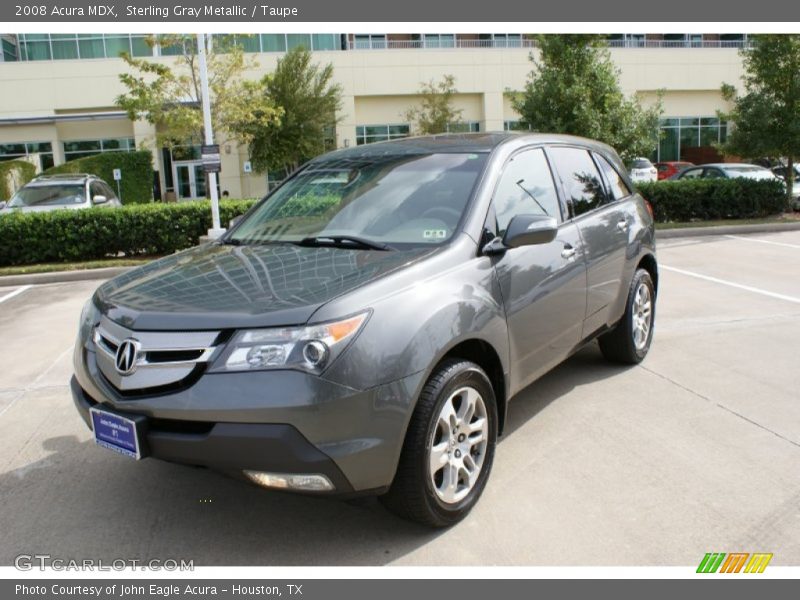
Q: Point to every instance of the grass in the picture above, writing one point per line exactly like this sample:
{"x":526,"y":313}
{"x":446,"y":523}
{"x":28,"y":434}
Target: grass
{"x":784,"y":218}
{"x":75,"y":266}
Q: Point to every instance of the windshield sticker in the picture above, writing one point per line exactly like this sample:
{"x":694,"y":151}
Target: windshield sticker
{"x":434,"y":234}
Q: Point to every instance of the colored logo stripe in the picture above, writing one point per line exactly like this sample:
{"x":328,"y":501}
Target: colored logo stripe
{"x":734,"y":562}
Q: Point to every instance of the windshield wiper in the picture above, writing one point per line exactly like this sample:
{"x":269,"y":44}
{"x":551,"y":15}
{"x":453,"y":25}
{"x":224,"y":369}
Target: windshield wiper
{"x":344,"y":241}
{"x":230,"y":241}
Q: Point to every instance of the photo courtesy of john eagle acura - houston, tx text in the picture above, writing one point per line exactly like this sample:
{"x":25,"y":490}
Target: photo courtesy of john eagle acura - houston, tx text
{"x":362,"y":329}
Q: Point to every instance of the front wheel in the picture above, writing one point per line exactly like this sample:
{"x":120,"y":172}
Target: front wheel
{"x":449,"y":447}
{"x":630,"y":340}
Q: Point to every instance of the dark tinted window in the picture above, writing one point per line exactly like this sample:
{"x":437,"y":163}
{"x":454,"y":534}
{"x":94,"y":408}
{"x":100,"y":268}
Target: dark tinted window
{"x":641,"y":163}
{"x":580,"y":179}
{"x":526,"y":187}
{"x":617,"y":187}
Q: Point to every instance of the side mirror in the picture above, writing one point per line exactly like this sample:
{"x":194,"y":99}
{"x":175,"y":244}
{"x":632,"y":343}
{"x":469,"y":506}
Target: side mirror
{"x":98,"y":199}
{"x":524,"y":230}
{"x":234,"y":221}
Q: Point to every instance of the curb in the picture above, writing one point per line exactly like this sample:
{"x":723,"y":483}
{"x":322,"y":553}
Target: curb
{"x":62,"y":276}
{"x":663,"y":234}
{"x":690,"y":232}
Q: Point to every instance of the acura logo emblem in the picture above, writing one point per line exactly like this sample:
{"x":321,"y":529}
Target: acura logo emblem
{"x":127,"y":353}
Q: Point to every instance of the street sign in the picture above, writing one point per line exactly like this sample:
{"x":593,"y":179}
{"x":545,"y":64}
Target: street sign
{"x":248,"y":166}
{"x":117,"y":174}
{"x":211,"y":159}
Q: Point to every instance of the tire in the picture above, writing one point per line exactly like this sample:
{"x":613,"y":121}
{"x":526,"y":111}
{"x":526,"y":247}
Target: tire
{"x":415,"y":493}
{"x":628,"y":343}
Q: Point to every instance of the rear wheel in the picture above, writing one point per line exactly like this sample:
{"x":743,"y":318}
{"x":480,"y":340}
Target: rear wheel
{"x":630,"y":340}
{"x":448,"y":449}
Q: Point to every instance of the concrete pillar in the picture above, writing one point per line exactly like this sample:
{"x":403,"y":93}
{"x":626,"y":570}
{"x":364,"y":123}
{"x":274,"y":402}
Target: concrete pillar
{"x":144,"y":135}
{"x":346,"y":127}
{"x":493,"y":111}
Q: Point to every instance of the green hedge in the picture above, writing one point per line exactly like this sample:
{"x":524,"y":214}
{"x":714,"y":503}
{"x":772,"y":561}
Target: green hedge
{"x":21,"y":170}
{"x":94,"y":233}
{"x":136,"y":184}
{"x":709,"y":199}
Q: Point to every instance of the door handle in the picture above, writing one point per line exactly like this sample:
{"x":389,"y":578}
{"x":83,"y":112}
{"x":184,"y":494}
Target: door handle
{"x":568,"y":252}
{"x":622,"y":225}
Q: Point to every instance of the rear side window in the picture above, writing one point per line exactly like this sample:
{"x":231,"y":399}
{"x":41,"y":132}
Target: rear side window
{"x":580,"y":179}
{"x":692,"y":174}
{"x":617,"y":187}
{"x":526,"y":187}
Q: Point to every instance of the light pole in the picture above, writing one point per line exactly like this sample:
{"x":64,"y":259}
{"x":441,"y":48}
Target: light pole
{"x":215,"y":230}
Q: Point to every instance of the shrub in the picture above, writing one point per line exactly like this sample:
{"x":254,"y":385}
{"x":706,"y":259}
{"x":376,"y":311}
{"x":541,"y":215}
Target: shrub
{"x":13,"y":175}
{"x":136,"y":185}
{"x":94,"y":233}
{"x":709,"y":199}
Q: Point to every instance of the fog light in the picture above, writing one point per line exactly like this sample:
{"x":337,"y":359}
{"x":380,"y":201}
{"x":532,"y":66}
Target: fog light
{"x":291,"y":481}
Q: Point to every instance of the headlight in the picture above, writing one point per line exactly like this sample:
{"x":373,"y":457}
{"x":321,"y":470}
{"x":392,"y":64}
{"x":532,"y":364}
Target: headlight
{"x":310,"y":348}
{"x":90,"y":316}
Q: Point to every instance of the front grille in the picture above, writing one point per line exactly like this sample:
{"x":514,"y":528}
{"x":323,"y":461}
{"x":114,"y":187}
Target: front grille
{"x":152,"y":362}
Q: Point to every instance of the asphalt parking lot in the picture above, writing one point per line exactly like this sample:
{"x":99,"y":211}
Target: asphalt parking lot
{"x":696,"y":450}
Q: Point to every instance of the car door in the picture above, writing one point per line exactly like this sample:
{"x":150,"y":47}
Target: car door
{"x":543,"y":286}
{"x":691,"y":173}
{"x":603,"y":225}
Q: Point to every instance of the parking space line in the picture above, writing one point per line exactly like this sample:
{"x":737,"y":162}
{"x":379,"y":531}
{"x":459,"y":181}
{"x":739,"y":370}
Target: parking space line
{"x":771,"y":243}
{"x":732,"y":284}
{"x":16,"y":292}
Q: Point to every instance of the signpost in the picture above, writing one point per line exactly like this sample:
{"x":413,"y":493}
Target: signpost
{"x":212,"y":166}
{"x":118,"y":178}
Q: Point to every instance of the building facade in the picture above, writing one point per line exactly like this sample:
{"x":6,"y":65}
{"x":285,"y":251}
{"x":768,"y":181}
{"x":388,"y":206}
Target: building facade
{"x":58,"y":91}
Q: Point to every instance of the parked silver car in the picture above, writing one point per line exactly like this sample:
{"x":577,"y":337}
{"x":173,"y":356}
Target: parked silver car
{"x":362,"y":329}
{"x":55,"y":192}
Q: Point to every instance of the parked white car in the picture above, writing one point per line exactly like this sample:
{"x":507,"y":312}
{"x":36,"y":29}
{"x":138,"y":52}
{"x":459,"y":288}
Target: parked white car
{"x":643,"y":171}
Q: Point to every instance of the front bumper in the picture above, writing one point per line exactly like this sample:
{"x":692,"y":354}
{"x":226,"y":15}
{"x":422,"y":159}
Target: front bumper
{"x":273,"y":421}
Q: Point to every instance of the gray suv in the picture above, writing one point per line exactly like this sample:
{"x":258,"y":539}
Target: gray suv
{"x":363,"y":328}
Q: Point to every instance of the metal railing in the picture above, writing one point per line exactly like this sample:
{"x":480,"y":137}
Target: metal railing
{"x":528,"y":43}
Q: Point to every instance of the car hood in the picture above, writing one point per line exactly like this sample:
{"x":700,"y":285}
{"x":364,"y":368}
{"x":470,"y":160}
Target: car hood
{"x":217,"y":286}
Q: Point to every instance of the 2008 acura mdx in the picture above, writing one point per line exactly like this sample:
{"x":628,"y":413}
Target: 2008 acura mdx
{"x":362,"y":329}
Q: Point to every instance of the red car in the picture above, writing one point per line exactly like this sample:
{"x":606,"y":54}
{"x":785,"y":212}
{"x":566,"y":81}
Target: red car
{"x":670,"y":168}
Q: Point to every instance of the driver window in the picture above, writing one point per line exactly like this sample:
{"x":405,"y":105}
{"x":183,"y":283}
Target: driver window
{"x":526,"y":187}
{"x":95,"y":189}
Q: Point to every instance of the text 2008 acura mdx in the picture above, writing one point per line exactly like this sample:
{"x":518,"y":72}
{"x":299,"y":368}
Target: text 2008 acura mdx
{"x":362,"y":329}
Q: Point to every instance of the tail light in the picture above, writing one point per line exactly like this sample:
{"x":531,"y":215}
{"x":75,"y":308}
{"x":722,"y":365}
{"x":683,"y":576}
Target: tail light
{"x":649,"y":207}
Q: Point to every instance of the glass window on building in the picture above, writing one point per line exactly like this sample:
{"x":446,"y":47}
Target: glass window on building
{"x":464,"y":127}
{"x":681,"y":133}
{"x":81,"y":148}
{"x":273,"y":42}
{"x":9,"y":48}
{"x":369,"y":41}
{"x":439,"y":40}
{"x":326,"y":41}
{"x":296,"y":40}
{"x":515,"y":126}
{"x":64,"y":46}
{"x":19,"y":150}
{"x":35,"y":46}
{"x":368,"y":134}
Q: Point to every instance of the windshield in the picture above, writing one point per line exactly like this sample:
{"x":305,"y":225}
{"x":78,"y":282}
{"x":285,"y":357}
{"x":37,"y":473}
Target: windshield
{"x":750,"y":172}
{"x":48,"y":195}
{"x":394,"y":199}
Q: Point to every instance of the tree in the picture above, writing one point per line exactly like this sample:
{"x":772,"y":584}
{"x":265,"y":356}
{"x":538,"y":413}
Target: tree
{"x":310,"y":102}
{"x":766,"y":117}
{"x":436,"y":113}
{"x":170,"y":97}
{"x":573,"y":89}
